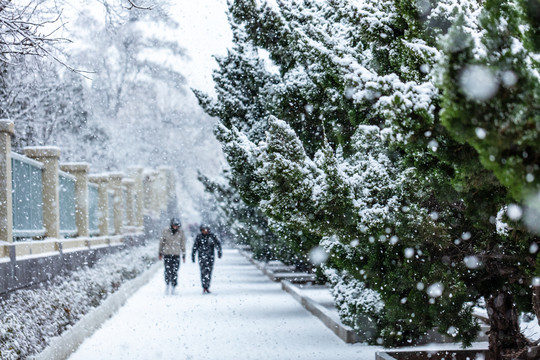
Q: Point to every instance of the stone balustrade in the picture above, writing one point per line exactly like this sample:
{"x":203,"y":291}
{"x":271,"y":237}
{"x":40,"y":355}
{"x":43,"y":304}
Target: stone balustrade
{"x":125,"y":205}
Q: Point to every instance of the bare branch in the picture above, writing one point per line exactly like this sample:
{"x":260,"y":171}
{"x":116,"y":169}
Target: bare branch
{"x":132,"y":5}
{"x":20,"y":34}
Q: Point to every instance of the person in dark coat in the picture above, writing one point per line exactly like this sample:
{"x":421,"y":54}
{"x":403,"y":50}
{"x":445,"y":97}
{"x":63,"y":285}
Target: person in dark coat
{"x":206,"y":244}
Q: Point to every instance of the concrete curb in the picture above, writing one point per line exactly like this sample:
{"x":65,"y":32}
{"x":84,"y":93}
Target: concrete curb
{"x":383,"y":356}
{"x":480,"y":353}
{"x":343,"y":332}
{"x":250,"y":259}
{"x":60,"y":348}
{"x":280,"y":273}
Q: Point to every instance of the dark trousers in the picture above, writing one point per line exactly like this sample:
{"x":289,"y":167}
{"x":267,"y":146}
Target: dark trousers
{"x":206,"y":273}
{"x":172,"y":264}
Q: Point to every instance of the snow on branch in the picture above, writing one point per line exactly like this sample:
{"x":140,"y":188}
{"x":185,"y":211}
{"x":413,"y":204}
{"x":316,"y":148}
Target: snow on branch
{"x":133,"y":5}
{"x":19,"y":33}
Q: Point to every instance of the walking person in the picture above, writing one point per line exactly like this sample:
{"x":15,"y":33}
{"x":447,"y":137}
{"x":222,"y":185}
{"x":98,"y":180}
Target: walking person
{"x":172,"y":245}
{"x":205,"y":244}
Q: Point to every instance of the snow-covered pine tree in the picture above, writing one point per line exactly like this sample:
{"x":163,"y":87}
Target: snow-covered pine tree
{"x":422,"y":232}
{"x":241,"y":87}
{"x":326,"y":42}
{"x":490,"y":92}
{"x":381,"y":60}
{"x":247,"y":224}
{"x":243,"y":84}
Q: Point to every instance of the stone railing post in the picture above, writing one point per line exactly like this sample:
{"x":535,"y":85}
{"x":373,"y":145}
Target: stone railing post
{"x":103,"y":202}
{"x":48,"y":155}
{"x":136,"y":173}
{"x":129,"y":184}
{"x":115,"y":184}
{"x":80,"y":171}
{"x":6,"y":202}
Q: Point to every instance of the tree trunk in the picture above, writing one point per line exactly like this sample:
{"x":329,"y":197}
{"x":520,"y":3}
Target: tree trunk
{"x":505,"y":338}
{"x":536,"y":301}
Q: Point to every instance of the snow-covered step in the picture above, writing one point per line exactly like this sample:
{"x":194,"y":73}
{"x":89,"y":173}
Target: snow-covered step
{"x":295,"y":277}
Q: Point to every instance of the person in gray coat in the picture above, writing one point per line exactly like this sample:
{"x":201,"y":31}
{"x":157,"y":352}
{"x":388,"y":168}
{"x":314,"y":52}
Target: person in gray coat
{"x":206,"y":244}
{"x":172,"y":245}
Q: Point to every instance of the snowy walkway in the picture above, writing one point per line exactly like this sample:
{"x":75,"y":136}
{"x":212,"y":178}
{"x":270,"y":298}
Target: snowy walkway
{"x":246,"y":317}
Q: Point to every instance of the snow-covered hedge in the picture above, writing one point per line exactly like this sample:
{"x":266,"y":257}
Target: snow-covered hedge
{"x":358,"y":307}
{"x":31,"y":317}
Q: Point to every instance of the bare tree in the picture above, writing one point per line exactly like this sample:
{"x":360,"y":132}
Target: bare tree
{"x":23,"y":29}
{"x":133,"y":5}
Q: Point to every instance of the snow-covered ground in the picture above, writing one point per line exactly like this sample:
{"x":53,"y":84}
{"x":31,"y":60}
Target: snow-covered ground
{"x":32,"y":318}
{"x":246,"y":317}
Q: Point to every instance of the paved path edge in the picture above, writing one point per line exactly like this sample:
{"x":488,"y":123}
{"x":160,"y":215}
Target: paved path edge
{"x":61,"y":347}
{"x":345,"y":333}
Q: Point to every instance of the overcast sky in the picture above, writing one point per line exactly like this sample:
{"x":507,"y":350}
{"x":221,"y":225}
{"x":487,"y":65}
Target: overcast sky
{"x":204,"y":31}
